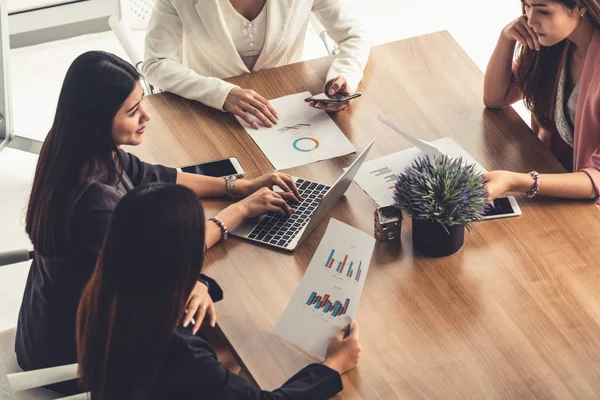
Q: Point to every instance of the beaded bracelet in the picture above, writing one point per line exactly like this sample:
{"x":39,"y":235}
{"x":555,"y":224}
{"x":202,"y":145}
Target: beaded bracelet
{"x":536,"y":184}
{"x":221,"y":224}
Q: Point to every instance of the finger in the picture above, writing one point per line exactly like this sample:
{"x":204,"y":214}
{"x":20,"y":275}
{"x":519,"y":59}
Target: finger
{"x":336,"y":85}
{"x":292,"y":184}
{"x":338,"y":107}
{"x":342,"y":332}
{"x":525,"y":34}
{"x":258,"y":114}
{"x":246,"y":117}
{"x":284,"y":186}
{"x":281,"y":203}
{"x":344,"y":89}
{"x":519,"y":38}
{"x":488,"y":195}
{"x":264,"y":110}
{"x":269,"y":107}
{"x":191,"y":310}
{"x":278,"y":201}
{"x":287,"y":196}
{"x":534,"y":36}
{"x":212,"y":314}
{"x":272,"y":208}
{"x":354,"y":332}
{"x":199,"y":318}
{"x":318,"y":104}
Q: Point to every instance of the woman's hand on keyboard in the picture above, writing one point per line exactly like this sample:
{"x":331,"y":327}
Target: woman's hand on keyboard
{"x":245,"y":187}
{"x":265,"y":200}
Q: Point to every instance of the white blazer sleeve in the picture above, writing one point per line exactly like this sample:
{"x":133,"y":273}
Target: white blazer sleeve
{"x":162,"y":66}
{"x":343,"y":23}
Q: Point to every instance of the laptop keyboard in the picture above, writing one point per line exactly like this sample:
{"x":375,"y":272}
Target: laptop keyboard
{"x":280,"y":229}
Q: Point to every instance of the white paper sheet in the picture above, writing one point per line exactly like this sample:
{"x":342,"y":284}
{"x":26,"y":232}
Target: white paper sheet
{"x":302,"y":135}
{"x":327,"y":298}
{"x":377,"y":177}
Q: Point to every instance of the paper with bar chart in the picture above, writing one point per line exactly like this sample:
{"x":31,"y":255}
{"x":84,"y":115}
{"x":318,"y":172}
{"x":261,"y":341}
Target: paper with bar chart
{"x":327,"y":298}
{"x":378,"y":177}
{"x":302,"y":135}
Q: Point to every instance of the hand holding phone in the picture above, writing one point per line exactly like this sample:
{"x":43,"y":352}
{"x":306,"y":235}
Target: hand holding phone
{"x":334,"y":99}
{"x":335,"y":103}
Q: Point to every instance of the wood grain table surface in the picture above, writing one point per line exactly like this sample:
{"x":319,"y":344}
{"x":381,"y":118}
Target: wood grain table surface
{"x":513,"y":315}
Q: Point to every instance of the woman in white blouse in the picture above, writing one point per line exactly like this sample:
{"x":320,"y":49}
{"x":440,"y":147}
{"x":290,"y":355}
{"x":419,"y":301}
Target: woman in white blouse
{"x":224,"y":38}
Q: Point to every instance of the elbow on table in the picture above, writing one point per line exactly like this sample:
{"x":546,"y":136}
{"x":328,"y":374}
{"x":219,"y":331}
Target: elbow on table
{"x":493,"y":102}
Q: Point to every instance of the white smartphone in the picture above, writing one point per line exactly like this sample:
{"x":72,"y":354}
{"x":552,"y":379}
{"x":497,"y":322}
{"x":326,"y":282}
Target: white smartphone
{"x":217,"y":168}
{"x":503,"y":207}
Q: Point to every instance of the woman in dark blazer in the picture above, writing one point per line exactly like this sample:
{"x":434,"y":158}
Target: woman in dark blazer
{"x":129,"y":340}
{"x":81,"y":175}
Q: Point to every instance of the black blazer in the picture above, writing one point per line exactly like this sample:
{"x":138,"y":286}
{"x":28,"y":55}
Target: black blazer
{"x":46,"y":325}
{"x":191,"y":371}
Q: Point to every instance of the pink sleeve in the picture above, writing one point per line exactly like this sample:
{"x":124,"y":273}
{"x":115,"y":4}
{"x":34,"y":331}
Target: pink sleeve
{"x":588,"y":145}
{"x":594,"y":174}
{"x":514,"y":93}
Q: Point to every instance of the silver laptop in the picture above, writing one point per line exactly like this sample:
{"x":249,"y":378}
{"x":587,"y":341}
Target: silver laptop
{"x":316,"y":201}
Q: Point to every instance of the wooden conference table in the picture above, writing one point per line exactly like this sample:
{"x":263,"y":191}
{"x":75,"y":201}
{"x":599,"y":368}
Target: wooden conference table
{"x":514,"y":314}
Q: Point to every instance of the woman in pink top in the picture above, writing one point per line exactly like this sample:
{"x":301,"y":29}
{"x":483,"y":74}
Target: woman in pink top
{"x":557,"y":74}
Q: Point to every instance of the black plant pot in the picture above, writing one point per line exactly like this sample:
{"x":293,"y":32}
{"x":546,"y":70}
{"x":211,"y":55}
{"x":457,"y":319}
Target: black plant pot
{"x":431,"y":239}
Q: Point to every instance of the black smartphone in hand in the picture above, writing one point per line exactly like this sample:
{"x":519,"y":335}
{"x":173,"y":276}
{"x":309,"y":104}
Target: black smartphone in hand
{"x":334,"y":99}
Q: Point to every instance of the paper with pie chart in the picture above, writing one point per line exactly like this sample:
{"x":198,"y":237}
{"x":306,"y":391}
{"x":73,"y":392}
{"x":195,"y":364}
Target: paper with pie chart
{"x":302,"y":135}
{"x":327,"y":298}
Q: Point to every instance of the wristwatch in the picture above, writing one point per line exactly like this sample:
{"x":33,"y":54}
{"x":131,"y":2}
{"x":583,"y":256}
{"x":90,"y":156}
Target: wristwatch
{"x":229,"y":186}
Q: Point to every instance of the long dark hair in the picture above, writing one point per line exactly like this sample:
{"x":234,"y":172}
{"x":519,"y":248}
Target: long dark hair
{"x":537,"y":70}
{"x":78,"y":147}
{"x":151,"y":257}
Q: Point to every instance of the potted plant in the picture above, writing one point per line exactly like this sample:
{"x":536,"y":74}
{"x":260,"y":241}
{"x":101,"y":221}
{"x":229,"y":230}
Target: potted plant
{"x":444,"y":195}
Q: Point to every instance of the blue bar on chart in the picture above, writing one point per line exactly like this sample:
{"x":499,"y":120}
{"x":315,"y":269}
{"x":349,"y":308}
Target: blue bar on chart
{"x":341,"y":269}
{"x":381,"y":171}
{"x":311,"y":298}
{"x":325,"y":304}
{"x":328,"y":262}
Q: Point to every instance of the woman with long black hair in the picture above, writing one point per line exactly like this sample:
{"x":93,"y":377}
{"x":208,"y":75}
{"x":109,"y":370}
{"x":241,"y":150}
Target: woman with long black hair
{"x":80,"y":177}
{"x":130,"y":345}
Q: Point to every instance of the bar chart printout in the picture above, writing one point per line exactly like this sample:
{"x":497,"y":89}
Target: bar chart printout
{"x":387,"y":175}
{"x":378,"y":177}
{"x":327,"y":298}
{"x":327,"y":305}
{"x":344,"y":267}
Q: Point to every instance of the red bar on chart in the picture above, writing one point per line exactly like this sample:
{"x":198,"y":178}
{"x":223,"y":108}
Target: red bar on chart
{"x":325,"y":298}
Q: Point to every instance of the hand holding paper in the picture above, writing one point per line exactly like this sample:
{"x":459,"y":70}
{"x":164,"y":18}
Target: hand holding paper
{"x":344,"y":350}
{"x":326,"y":301}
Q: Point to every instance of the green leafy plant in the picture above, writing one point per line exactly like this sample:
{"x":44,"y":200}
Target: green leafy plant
{"x":444,"y":190}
